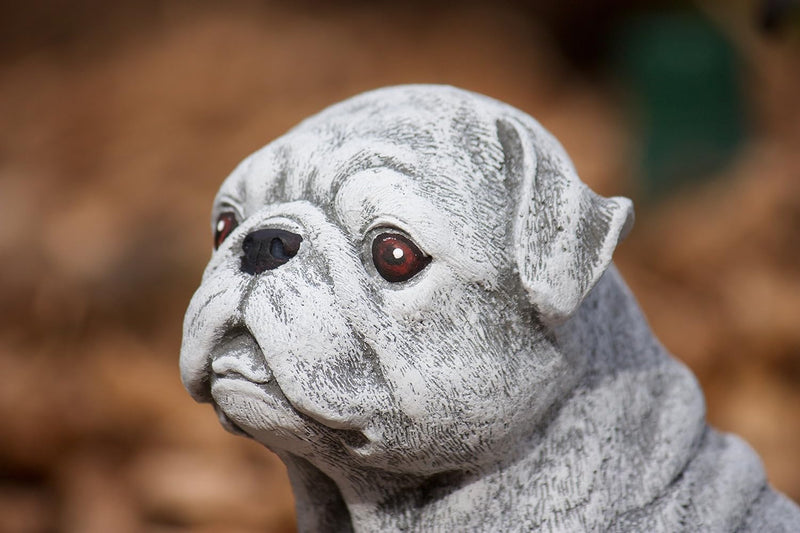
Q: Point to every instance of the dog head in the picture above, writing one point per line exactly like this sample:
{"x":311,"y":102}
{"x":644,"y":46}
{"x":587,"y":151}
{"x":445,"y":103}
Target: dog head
{"x":387,"y":278}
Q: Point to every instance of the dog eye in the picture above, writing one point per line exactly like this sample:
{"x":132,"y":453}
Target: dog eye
{"x":397,"y":258}
{"x":226,"y":223}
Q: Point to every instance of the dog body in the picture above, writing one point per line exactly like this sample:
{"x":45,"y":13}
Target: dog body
{"x":413,"y":304}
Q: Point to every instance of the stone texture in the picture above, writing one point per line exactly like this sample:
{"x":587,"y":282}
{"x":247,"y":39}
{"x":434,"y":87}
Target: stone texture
{"x":511,"y":384}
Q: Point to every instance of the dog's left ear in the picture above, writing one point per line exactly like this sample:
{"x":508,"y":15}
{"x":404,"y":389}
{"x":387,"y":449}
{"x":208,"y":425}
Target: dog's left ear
{"x":563,"y":233}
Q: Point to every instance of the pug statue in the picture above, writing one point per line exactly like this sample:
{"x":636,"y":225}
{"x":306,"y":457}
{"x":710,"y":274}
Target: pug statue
{"x":412,"y":302}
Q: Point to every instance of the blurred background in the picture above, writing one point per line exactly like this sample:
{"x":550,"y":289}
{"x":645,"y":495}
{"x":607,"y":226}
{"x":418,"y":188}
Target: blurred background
{"x":120,"y":120}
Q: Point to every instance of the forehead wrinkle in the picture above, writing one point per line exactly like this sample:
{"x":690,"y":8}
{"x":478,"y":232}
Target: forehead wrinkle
{"x":279,"y":167}
{"x":341,"y":144}
{"x":374,"y":191}
{"x":373,"y":156}
{"x":241,"y":182}
{"x":288,"y":170}
{"x":258,"y":180}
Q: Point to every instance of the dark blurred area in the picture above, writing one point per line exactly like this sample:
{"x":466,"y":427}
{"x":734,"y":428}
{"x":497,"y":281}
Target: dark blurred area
{"x":121,"y":119}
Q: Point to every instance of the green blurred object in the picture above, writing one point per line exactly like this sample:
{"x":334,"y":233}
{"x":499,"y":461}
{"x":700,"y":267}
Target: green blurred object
{"x":685,"y":76}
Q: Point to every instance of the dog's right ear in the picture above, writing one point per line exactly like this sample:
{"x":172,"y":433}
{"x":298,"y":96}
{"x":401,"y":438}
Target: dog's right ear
{"x":563,"y":233}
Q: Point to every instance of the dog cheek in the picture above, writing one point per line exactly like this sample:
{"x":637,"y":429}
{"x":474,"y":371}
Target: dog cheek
{"x":464,"y":374}
{"x":313,"y":351}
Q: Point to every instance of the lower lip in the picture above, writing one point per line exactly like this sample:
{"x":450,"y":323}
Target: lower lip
{"x":223,"y":387}
{"x":254,"y":406}
{"x":234,"y":383}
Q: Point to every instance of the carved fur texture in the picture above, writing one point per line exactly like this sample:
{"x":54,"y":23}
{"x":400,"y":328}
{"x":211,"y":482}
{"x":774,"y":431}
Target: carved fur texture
{"x":510,"y":385}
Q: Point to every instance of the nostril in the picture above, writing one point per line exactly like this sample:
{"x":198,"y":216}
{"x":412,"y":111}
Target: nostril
{"x":277,"y":250}
{"x":267,"y":249}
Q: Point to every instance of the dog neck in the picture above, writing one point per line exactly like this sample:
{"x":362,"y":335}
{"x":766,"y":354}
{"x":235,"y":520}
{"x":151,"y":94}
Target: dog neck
{"x":616,"y":444}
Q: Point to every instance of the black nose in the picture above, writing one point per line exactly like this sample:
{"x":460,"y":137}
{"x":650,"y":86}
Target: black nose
{"x":267,"y":249}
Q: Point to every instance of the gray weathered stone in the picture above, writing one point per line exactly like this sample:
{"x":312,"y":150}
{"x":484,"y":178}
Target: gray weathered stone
{"x":511,"y":383}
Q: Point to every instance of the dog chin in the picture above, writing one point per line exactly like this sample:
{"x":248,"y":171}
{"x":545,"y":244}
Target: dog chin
{"x":253,"y":407}
{"x":262,"y":412}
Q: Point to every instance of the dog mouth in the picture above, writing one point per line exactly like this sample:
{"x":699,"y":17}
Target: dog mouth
{"x":238,"y":358}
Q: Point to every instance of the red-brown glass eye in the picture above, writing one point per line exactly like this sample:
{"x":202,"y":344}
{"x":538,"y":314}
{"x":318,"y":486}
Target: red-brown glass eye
{"x":397,"y":258}
{"x":226,"y":223}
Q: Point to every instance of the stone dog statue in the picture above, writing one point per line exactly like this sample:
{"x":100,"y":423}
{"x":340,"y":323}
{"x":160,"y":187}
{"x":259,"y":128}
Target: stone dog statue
{"x":412,"y":303}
